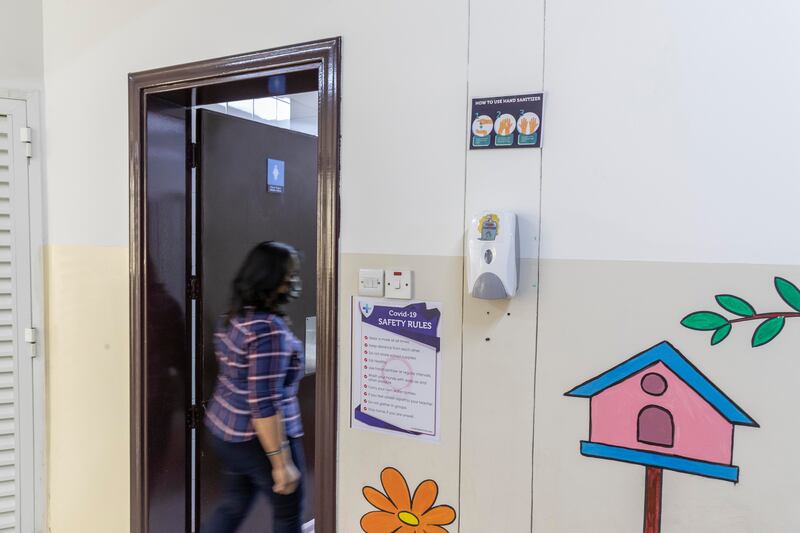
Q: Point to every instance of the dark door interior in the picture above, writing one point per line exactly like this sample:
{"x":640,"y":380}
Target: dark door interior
{"x":167,"y":372}
{"x":236,"y":210}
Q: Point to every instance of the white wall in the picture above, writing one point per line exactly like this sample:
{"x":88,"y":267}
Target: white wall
{"x":669,"y":175}
{"x":671,"y":131}
{"x":404,"y":83}
{"x":21,"y":44}
{"x":506,"y":58}
{"x":669,"y":136}
{"x":400,"y":150}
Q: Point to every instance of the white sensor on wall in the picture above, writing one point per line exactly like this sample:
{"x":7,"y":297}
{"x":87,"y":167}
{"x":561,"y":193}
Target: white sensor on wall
{"x":492,"y":273}
{"x":370,"y":282}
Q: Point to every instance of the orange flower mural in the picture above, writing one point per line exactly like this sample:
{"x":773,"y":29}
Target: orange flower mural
{"x":399,"y":512}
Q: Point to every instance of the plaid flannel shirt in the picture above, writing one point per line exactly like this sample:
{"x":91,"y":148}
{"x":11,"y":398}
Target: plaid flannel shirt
{"x":260,"y":366}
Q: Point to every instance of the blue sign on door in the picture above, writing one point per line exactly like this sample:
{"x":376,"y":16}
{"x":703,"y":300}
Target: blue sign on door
{"x":275,"y":176}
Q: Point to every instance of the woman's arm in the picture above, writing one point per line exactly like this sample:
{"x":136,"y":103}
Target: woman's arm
{"x":268,"y":360}
{"x":285,"y":475}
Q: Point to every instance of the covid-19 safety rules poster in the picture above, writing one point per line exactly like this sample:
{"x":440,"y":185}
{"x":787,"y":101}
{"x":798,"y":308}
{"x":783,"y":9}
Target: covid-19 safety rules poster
{"x":395,"y":367}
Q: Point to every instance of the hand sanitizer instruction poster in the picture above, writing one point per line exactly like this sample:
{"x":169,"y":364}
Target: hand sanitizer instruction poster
{"x":395,"y":367}
{"x":506,"y":122}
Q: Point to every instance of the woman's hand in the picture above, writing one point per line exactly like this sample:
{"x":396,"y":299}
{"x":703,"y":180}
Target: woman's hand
{"x":285,"y":477}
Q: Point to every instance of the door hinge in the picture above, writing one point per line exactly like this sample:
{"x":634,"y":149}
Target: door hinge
{"x":26,"y":138}
{"x":192,"y":148}
{"x":194,"y":416}
{"x":30,"y":338}
{"x":194,"y":288}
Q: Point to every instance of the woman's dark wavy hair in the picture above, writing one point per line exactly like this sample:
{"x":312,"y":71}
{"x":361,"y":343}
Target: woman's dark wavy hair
{"x":262,"y":273}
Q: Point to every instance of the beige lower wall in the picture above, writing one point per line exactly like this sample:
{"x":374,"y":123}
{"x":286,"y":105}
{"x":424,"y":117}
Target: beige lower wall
{"x":594,"y":315}
{"x":363,"y":454}
{"x":497,"y":422}
{"x":87,"y":389}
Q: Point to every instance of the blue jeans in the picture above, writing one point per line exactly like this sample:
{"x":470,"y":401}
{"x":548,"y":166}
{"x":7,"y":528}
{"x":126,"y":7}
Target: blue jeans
{"x":247,"y":472}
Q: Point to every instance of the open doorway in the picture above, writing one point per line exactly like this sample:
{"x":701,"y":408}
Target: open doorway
{"x":227,"y":153}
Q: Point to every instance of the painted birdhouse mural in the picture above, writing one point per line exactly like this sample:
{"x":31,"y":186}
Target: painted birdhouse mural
{"x":658,"y":410}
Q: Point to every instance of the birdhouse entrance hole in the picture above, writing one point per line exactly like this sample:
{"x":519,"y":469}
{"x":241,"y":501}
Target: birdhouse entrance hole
{"x":656,"y":426}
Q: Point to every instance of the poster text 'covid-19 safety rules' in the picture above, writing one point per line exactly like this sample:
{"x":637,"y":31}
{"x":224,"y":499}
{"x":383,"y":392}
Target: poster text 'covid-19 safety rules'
{"x":395,"y":367}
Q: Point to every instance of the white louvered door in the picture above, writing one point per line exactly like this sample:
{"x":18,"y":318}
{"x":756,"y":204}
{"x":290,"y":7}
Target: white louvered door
{"x":16,"y":376}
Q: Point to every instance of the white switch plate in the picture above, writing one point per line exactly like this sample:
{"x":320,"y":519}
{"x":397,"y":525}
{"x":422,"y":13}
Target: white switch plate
{"x":370,"y":282}
{"x":399,"y":284}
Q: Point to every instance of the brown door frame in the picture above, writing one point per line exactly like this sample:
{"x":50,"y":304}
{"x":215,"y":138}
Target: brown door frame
{"x":326,"y":55}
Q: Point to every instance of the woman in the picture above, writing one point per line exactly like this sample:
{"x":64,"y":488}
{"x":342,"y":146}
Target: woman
{"x":254,"y":416}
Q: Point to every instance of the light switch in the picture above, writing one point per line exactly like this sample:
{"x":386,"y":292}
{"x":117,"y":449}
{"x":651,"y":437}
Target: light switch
{"x":370,"y":282}
{"x":399,"y":284}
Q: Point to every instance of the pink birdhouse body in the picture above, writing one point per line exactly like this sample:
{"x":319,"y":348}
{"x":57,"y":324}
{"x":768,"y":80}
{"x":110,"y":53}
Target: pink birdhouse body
{"x":657,"y":409}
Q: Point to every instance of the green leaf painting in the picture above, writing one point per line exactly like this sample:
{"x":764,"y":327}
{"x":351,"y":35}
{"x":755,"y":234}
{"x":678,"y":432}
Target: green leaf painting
{"x":789,"y":293}
{"x":768,"y":330}
{"x":771,"y":323}
{"x":704,"y":321}
{"x":721,"y":334}
{"x":735,"y":305}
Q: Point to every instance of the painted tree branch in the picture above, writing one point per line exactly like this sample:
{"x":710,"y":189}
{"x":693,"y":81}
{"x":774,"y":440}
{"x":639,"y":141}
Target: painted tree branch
{"x":762,"y":316}
{"x":771,"y":325}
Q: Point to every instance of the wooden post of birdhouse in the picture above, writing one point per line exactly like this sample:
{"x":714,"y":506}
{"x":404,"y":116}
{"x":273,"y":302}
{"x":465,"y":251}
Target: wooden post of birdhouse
{"x":652,"y":499}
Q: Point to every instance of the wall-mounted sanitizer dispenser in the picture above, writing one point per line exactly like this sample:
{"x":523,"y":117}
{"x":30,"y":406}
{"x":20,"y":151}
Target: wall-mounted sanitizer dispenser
{"x":492,"y":272}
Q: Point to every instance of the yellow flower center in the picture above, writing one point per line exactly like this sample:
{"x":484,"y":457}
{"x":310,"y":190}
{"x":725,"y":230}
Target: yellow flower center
{"x":408,"y":518}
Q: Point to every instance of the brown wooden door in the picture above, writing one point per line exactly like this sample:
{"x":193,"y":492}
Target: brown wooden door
{"x":167,"y":364}
{"x":236,"y":211}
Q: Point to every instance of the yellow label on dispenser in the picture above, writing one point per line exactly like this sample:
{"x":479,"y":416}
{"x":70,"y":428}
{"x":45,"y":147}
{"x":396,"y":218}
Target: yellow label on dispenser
{"x":488,"y":227}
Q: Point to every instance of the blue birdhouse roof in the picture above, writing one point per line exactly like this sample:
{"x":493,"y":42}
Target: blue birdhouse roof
{"x":681,"y":366}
